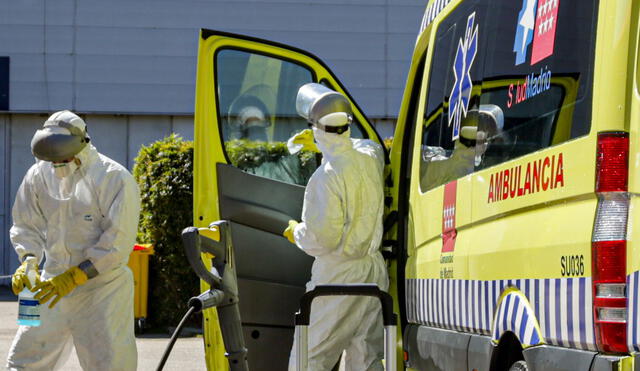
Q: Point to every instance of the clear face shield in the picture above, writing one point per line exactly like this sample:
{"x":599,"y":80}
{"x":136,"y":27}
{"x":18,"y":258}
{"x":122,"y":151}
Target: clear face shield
{"x":58,"y":141}
{"x":60,"y":182}
{"x":61,"y":138}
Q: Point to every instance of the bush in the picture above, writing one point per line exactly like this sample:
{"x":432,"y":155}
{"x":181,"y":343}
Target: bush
{"x":164,"y":171}
{"x":272,"y":160}
{"x":247,"y":154}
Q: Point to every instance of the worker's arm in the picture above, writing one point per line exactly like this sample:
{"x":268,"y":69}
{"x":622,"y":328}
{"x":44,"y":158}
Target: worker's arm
{"x":119,"y":200}
{"x":323,"y":216}
{"x":28,"y":221}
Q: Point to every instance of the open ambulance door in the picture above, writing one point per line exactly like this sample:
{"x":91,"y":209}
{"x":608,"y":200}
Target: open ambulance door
{"x":244,"y":114}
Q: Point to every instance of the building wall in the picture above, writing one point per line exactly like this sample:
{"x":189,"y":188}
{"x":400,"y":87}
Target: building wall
{"x":129,"y":66}
{"x":138,"y":56}
{"x":5,"y":250}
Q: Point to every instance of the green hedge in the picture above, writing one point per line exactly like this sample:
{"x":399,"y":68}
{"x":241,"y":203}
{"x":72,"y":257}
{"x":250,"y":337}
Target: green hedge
{"x":164,"y":172}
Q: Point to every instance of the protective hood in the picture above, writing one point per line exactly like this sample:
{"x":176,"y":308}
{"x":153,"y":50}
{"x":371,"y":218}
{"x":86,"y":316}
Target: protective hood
{"x":331,"y":144}
{"x":64,"y":188}
{"x":63,"y":135}
{"x":252,"y":116}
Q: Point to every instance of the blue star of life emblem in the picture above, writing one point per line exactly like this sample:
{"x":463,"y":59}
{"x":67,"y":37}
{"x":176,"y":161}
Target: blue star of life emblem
{"x":461,"y":91}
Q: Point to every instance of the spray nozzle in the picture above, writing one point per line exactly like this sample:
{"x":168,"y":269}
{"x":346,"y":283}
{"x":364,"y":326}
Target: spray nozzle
{"x":32,"y":269}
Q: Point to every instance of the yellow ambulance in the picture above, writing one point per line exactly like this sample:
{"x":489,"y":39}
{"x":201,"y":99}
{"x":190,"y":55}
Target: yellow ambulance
{"x":511,"y":191}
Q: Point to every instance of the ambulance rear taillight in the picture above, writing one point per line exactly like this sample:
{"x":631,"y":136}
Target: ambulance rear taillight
{"x":609,"y":243}
{"x":613,"y":162}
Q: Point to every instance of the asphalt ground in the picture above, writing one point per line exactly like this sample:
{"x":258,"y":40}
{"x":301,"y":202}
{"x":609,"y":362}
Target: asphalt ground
{"x":187,"y":353}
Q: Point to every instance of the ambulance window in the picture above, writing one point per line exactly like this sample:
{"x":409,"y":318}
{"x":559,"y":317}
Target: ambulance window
{"x":537,"y":74}
{"x":453,"y":90}
{"x":257,"y":114}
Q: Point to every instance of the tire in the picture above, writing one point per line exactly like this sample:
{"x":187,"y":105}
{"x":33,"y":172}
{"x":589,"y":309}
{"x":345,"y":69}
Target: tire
{"x":519,"y":366}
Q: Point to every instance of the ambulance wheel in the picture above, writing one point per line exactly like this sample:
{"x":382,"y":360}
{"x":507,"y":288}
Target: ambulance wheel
{"x":519,"y":366}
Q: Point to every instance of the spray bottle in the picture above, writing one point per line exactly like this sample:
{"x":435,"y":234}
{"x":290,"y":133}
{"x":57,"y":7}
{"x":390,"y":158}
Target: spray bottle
{"x":28,"y":307}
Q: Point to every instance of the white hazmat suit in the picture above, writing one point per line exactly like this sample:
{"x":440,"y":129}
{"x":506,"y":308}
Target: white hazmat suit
{"x":342,"y":228}
{"x":91,"y":214}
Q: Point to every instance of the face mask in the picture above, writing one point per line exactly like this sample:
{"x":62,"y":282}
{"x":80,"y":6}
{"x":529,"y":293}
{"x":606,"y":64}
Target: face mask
{"x":63,"y":170}
{"x":330,"y":143}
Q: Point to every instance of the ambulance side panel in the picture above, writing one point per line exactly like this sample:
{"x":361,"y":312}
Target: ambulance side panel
{"x":504,"y":245}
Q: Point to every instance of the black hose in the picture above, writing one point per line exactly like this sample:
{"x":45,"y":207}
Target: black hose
{"x":174,"y":337}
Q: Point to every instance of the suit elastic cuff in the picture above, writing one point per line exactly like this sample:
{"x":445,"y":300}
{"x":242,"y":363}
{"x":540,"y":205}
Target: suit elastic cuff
{"x":88,"y":268}
{"x":25,"y":256}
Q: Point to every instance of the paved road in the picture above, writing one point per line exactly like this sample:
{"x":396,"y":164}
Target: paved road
{"x":187,"y":354}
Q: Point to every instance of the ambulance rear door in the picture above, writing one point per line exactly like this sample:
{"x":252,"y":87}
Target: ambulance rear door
{"x":245,"y":113}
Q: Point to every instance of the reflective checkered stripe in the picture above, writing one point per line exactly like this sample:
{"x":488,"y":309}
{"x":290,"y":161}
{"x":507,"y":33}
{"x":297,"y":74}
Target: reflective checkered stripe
{"x":431,"y":12}
{"x":562,"y":308}
{"x":633,"y":312}
{"x":517,"y":316}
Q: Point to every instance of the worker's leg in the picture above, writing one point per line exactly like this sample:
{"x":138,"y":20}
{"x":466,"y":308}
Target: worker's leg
{"x":103,"y":329}
{"x":45,"y":347}
{"x":333,"y":323}
{"x":366,"y":349}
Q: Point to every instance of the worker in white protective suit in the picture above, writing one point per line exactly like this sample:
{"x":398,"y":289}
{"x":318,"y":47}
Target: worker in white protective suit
{"x":479,"y":124}
{"x":78,"y":210}
{"x":342,"y":228}
{"x":437,"y":168}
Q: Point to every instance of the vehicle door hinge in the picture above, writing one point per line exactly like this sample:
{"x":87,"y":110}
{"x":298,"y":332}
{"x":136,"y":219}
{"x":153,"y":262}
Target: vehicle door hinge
{"x":390,"y":221}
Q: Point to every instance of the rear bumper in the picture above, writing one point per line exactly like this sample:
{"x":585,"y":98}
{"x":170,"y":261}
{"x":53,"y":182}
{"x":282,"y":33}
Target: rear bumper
{"x":630,"y":363}
{"x":552,"y":358}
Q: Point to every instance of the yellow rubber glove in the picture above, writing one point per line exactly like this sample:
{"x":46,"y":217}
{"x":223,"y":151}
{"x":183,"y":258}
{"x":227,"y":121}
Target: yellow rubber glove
{"x":19,"y":279}
{"x":60,"y":285}
{"x":305,"y":138}
{"x":288,"y":233}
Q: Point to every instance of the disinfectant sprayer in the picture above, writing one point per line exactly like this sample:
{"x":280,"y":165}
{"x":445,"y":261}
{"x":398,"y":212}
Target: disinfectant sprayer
{"x":28,"y":307}
{"x":214,"y":244}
